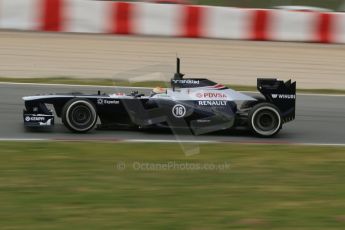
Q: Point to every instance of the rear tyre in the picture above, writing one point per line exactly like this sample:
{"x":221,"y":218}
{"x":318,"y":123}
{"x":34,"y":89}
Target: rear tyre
{"x":265,"y":120}
{"x":79,"y":115}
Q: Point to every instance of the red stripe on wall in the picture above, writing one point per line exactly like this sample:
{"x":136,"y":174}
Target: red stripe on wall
{"x":122,"y":13}
{"x":260,"y":25}
{"x":52,"y":15}
{"x":192,"y":23}
{"x":324,"y":33}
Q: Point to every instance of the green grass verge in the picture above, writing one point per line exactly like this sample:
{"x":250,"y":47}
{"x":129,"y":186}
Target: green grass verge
{"x":78,"y":186}
{"x":110,"y":82}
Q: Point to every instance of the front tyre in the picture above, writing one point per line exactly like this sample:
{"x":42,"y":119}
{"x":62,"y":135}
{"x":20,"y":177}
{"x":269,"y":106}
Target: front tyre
{"x":265,"y":120}
{"x":79,"y":115}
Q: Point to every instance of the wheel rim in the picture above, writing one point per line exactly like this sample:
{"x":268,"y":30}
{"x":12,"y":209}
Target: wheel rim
{"x":266,"y":121}
{"x":81,"y":116}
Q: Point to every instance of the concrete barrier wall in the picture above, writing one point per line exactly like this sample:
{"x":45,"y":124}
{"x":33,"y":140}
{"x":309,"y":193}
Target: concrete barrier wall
{"x":108,"y":17}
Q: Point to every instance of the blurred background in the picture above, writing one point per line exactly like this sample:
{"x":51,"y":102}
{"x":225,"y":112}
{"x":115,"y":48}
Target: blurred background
{"x":118,"y":179}
{"x":334,"y":5}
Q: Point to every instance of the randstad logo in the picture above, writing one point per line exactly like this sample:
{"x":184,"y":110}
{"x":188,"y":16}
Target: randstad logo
{"x":284,"y":96}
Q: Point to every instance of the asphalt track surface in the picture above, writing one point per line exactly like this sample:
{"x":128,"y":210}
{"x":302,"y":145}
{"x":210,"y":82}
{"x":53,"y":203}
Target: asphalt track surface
{"x":319,"y":120}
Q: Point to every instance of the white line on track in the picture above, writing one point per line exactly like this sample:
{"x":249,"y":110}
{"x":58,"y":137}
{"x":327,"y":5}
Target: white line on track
{"x":321,"y":144}
{"x":174,"y":141}
{"x":171,"y":141}
{"x":68,"y":85}
{"x":24,"y":139}
{"x":133,"y":87}
{"x":307,"y":94}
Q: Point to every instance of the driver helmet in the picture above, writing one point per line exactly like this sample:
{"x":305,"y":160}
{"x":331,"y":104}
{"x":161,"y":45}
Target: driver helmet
{"x":158,"y":90}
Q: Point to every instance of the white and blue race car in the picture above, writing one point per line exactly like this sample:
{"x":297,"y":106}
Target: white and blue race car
{"x":199,"y":105}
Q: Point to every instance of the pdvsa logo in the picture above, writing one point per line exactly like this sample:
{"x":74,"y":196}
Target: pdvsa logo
{"x":212,"y":95}
{"x":283,"y":96}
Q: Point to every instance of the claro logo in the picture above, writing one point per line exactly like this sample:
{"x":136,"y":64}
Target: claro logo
{"x":27,"y":118}
{"x":283,"y":96}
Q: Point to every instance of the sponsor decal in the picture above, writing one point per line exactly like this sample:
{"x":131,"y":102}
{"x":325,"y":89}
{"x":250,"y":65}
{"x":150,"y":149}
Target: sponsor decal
{"x":211,"y":95}
{"x":212,"y":103}
{"x":101,"y":101}
{"x":28,"y":118}
{"x":284,"y":96}
{"x":179,"y":111}
{"x":188,"y":81}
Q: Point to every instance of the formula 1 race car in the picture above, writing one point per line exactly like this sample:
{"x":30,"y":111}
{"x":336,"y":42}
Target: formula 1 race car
{"x":199,"y":105}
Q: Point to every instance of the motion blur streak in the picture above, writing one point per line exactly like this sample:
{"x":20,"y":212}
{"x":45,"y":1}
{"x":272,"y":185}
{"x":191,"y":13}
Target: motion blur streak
{"x":171,"y":20}
{"x":225,"y":61}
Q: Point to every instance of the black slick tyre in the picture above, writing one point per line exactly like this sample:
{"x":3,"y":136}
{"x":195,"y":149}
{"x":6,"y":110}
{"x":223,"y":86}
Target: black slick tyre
{"x":79,"y":115}
{"x":264,"y":120}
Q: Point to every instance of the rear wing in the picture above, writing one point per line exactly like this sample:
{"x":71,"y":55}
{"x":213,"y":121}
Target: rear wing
{"x":281,"y":94}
